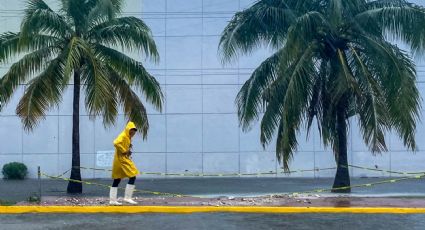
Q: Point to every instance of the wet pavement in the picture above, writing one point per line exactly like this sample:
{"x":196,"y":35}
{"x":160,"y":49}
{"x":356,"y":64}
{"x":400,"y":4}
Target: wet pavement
{"x":216,"y":187}
{"x":409,"y":190}
{"x":227,"y":221}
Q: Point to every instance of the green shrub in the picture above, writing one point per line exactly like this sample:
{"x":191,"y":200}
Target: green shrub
{"x":14,"y":171}
{"x":6,"y":203}
{"x":33,"y":198}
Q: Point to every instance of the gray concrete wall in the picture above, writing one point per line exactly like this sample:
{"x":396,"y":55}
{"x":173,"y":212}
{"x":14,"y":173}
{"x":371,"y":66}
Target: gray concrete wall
{"x":198,"y":131}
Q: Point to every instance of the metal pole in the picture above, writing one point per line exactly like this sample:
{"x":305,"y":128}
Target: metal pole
{"x":39,"y":184}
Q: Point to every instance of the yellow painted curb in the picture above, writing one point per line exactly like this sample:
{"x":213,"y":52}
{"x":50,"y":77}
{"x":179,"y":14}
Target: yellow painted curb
{"x":202,"y":209}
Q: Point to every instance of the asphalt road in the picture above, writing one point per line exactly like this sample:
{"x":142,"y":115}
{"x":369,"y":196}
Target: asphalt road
{"x":209,"y":221}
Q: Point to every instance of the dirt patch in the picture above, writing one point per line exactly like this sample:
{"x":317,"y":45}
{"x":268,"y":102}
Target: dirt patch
{"x":276,"y":201}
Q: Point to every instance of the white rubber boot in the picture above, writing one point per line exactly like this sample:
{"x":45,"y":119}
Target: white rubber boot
{"x":128,"y":196}
{"x":113,"y":192}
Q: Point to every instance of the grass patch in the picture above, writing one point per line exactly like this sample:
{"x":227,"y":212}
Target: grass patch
{"x":7,"y":203}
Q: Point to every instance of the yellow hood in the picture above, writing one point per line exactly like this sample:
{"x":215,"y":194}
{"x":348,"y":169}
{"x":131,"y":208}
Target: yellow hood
{"x":130,"y":126}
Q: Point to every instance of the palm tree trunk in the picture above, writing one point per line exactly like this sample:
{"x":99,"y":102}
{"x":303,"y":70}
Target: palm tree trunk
{"x":342,"y":177}
{"x":75,"y":187}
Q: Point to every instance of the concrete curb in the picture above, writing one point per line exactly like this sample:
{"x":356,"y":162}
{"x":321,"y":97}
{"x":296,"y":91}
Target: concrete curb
{"x":202,"y":209}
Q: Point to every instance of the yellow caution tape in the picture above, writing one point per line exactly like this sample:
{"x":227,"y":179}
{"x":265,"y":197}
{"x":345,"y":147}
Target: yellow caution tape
{"x":218,"y":174}
{"x":357,"y":186}
{"x":382,"y":170}
{"x":260,"y":173}
{"x":108,"y":186}
{"x":250,"y":174}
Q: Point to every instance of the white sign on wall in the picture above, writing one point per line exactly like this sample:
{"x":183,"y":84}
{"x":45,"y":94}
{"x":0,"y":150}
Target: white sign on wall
{"x":104,"y":158}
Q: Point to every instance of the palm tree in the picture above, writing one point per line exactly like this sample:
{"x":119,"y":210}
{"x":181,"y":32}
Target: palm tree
{"x":79,"y":44}
{"x":334,"y":59}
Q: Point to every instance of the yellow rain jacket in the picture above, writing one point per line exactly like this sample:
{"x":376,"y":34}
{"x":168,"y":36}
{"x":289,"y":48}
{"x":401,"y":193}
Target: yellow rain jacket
{"x":123,"y":166}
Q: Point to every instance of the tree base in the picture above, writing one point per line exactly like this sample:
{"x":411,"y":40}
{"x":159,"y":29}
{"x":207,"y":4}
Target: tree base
{"x":74,"y":188}
{"x":345,"y":190}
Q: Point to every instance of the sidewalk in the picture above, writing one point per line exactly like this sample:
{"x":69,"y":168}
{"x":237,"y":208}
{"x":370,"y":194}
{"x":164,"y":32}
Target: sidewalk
{"x":288,"y":203}
{"x":215,"y":187}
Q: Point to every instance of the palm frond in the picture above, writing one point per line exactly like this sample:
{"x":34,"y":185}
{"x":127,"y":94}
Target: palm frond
{"x":371,"y":107}
{"x":250,"y":98}
{"x":99,"y":91}
{"x":395,"y":71}
{"x":289,"y":96}
{"x":76,"y":12}
{"x":130,"y":33}
{"x":133,"y":107}
{"x":336,"y":11}
{"x":344,"y":80}
{"x":103,"y":9}
{"x":40,"y":19}
{"x":286,"y":144}
{"x":292,"y":88}
{"x":74,"y":52}
{"x":23,"y":69}
{"x":265,"y":23}
{"x":134,"y":72}
{"x":42,"y":93}
{"x":11,"y":45}
{"x":109,"y":109}
{"x":318,"y":95}
{"x":401,"y":21}
{"x":303,"y":32}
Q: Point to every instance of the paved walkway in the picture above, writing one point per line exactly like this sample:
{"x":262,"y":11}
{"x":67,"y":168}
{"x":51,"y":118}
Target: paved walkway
{"x":216,"y":187}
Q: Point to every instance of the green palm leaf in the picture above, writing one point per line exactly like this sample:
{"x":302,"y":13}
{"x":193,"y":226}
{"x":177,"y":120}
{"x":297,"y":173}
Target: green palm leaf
{"x":42,"y":93}
{"x":130,"y":33}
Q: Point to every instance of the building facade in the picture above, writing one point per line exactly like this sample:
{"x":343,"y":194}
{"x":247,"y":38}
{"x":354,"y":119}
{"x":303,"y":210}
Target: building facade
{"x":198,"y":130}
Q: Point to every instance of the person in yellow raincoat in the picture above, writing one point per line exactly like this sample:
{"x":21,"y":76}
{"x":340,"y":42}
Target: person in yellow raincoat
{"x":123,"y":166}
